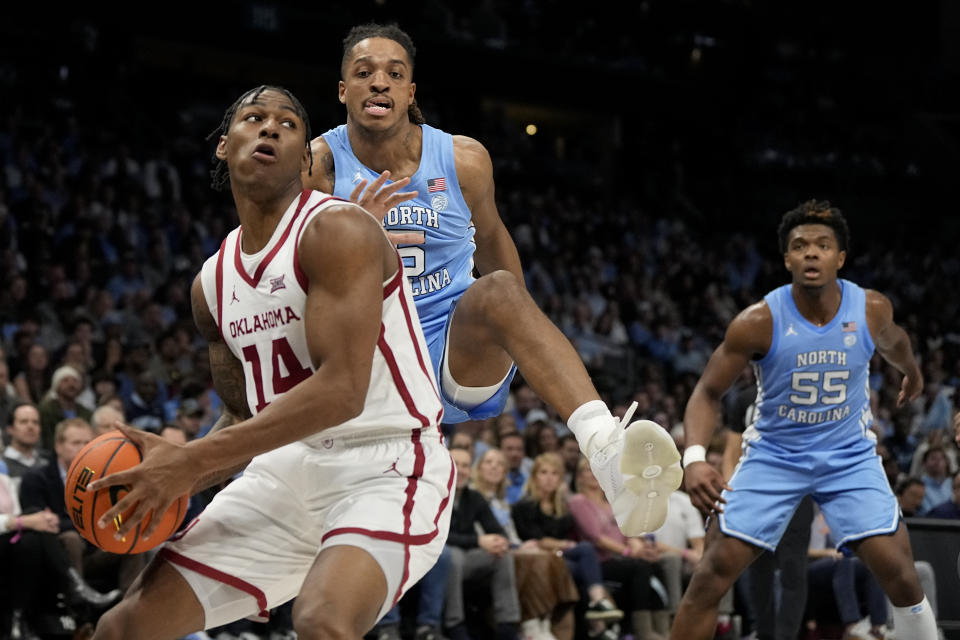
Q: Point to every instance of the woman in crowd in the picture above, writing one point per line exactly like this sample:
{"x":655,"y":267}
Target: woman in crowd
{"x":546,"y":590}
{"x":33,"y":381}
{"x":542,"y":515}
{"x":631,"y":562}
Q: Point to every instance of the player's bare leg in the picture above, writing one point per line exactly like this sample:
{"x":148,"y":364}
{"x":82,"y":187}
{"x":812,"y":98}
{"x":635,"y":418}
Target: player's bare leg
{"x":495,"y":323}
{"x":159,"y":605}
{"x":724,"y":560}
{"x":341,"y":596}
{"x":890,"y":559}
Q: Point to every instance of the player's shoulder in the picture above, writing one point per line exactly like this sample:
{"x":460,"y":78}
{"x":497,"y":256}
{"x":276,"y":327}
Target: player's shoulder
{"x":467,"y":148}
{"x":874,"y":298}
{"x":319,"y":144}
{"x":756,"y":316}
{"x":337,"y":221}
{"x":878,"y":308}
{"x":751,"y":329}
{"x":472,"y":160}
{"x":322,"y":173}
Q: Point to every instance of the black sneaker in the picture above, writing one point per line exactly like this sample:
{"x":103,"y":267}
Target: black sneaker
{"x":604,"y":610}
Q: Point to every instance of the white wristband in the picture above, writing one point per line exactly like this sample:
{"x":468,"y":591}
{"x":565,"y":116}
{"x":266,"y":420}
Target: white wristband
{"x":694,"y":453}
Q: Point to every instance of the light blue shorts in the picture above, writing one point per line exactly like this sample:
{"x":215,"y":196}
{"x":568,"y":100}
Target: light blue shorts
{"x":849,"y":486}
{"x":436,"y":337}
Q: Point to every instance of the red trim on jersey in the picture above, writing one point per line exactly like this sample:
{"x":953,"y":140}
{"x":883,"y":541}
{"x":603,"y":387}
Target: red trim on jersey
{"x":390,"y":536}
{"x":418,"y":461}
{"x":297,"y":269}
{"x":443,"y":503}
{"x":398,"y":379}
{"x":223,"y":247}
{"x":254,"y":280}
{"x":179,"y":534}
{"x":420,"y":358}
{"x":405,"y":538}
{"x":215,"y":574}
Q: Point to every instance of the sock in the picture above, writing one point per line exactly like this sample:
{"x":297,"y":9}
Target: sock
{"x":915,"y":622}
{"x":589,"y":420}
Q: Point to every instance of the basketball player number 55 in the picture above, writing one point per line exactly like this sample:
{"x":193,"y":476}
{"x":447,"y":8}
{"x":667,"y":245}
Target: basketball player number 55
{"x":834,"y":389}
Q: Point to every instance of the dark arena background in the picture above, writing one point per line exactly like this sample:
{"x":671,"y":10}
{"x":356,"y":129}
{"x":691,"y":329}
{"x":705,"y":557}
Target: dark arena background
{"x":643,"y":153}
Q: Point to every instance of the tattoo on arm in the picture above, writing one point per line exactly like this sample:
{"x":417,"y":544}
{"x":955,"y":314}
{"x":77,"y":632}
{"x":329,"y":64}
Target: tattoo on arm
{"x":230,"y":384}
{"x":326,"y":165}
{"x":229,"y":381}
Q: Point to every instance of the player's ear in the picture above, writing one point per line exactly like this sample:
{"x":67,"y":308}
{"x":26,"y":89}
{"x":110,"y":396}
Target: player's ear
{"x":305,"y":158}
{"x":342,"y":93}
{"x":842,"y":258}
{"x":221,"y":152}
{"x":413,"y":90}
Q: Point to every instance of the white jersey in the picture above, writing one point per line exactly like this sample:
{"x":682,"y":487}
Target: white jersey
{"x":258,"y":303}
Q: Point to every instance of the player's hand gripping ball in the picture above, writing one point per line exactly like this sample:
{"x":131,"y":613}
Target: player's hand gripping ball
{"x":106,"y":454}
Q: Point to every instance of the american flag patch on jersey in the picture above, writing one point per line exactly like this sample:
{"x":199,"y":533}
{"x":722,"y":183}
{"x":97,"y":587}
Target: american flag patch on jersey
{"x":849,"y":326}
{"x":436,"y":184}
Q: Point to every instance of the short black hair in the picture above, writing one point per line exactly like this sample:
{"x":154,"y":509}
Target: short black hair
{"x":373,"y":30}
{"x":815,"y":212}
{"x":390,"y":32}
{"x":220,"y":174}
{"x":17,"y":406}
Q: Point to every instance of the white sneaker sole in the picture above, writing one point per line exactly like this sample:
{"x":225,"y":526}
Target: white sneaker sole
{"x":650,"y":465}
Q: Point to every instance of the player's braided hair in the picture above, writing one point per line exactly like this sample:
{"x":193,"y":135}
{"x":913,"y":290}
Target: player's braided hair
{"x":220,"y":174}
{"x":815,"y":212}
{"x":391,"y":32}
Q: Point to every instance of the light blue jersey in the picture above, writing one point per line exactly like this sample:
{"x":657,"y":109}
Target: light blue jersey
{"x":810,"y":434}
{"x":441,"y":269}
{"x":812,"y":385}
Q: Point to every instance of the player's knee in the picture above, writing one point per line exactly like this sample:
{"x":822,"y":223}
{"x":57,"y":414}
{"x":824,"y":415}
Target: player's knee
{"x":718,"y":572}
{"x":319,"y":622}
{"x":114,"y":625}
{"x":499,"y":293}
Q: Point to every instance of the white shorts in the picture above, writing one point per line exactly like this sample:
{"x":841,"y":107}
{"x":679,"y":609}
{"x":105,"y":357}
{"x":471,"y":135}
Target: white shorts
{"x":251,"y":548}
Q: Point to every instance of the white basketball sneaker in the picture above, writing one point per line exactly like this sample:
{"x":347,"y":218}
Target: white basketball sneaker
{"x":638,"y":468}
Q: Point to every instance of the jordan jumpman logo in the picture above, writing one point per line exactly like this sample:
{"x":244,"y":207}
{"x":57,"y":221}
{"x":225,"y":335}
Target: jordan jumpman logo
{"x":393,"y":467}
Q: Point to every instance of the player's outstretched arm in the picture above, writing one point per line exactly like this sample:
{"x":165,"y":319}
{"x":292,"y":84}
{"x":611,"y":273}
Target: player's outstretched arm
{"x":495,"y":248}
{"x":346,"y":258}
{"x":893,"y":344}
{"x":749,"y":334}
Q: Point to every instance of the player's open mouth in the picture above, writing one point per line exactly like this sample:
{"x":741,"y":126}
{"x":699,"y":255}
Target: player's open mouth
{"x":265,"y":152}
{"x":810,"y":272}
{"x":377,"y":106}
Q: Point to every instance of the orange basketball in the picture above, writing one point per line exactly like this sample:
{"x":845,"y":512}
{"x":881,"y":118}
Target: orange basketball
{"x":106,"y":454}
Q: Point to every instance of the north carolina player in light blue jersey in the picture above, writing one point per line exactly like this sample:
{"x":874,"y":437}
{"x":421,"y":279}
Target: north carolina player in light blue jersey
{"x":479,"y":331}
{"x":810,"y":343}
{"x":440,"y":268}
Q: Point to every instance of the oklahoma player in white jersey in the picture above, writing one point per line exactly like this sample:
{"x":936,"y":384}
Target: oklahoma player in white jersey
{"x":318,"y":355}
